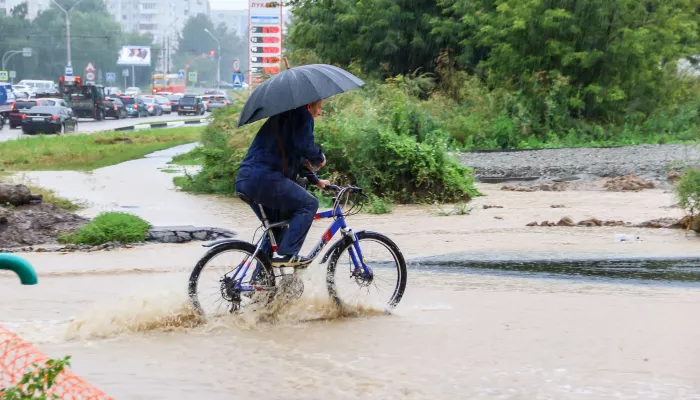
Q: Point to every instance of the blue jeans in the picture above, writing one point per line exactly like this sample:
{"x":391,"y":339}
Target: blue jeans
{"x":282,"y":199}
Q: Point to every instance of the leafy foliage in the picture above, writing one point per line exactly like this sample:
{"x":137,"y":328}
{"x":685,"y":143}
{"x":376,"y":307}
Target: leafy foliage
{"x":524,"y":73}
{"x":110,"y":227}
{"x":688,"y":192}
{"x":378,"y":138}
{"x":95,"y":37}
{"x":194,"y":43}
{"x":37,"y":381}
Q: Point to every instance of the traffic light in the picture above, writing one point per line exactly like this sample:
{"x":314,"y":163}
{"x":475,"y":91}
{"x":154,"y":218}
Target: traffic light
{"x":211,"y":53}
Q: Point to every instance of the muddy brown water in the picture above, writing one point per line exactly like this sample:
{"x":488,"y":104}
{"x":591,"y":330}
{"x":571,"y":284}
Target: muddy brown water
{"x":517,"y":328}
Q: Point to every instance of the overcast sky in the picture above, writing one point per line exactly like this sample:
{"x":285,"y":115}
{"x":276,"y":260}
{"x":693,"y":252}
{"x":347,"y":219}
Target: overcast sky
{"x":229,"y":4}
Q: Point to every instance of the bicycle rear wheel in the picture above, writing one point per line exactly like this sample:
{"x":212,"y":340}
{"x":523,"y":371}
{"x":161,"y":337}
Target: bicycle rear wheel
{"x":212,"y":285}
{"x":383,"y":289}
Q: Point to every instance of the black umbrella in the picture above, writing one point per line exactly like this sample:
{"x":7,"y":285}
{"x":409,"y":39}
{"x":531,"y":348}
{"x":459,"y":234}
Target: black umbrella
{"x":294,"y":88}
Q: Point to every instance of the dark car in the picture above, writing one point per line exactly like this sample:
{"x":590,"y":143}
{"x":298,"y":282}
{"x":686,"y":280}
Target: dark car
{"x":174,"y":100}
{"x":20,"y":107}
{"x":152,"y":106}
{"x":135,"y":107}
{"x":190,"y":104}
{"x":115,"y":108}
{"x":48,"y":119}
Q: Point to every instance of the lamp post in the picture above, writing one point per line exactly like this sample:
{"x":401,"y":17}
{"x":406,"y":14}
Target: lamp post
{"x":218,"y":64}
{"x":68,"y":63}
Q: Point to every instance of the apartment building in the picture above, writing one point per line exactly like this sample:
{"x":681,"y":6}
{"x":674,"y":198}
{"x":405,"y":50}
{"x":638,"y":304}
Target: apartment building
{"x":235,"y":20}
{"x":158,"y":18}
{"x":33,"y":6}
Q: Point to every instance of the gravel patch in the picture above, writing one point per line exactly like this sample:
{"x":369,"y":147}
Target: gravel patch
{"x":646,"y":161}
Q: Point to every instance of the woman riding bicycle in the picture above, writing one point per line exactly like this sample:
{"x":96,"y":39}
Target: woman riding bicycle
{"x":283,"y":148}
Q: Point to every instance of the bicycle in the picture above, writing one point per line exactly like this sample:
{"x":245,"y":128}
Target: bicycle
{"x":240,"y":289}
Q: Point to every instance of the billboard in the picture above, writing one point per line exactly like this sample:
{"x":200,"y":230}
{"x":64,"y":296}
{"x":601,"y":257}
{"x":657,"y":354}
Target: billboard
{"x":135,"y":55}
{"x":264,"y":39}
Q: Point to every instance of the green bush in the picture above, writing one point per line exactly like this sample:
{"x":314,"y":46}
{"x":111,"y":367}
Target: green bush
{"x":37,"y":381}
{"x":110,"y":227}
{"x":378,"y":138}
{"x":688,"y":192}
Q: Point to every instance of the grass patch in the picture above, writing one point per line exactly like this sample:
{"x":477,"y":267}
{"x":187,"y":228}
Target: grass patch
{"x":192,"y":157}
{"x":87,"y":152}
{"x":170,"y":170}
{"x":457,"y":209}
{"x":109,"y":227}
{"x":377,"y":205}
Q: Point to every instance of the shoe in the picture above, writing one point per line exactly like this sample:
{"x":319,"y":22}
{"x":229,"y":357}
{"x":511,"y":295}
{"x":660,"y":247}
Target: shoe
{"x":289,"y":261}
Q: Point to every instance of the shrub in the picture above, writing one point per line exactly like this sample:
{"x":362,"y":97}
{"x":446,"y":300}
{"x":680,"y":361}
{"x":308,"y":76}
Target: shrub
{"x":379,"y":138}
{"x":378,"y":205}
{"x":37,"y":381}
{"x":110,"y":227}
{"x":688,"y":192}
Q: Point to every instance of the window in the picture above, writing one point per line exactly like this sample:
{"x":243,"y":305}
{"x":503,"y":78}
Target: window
{"x":148,"y":6}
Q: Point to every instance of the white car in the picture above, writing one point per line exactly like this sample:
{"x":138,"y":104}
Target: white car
{"x":132,"y":91}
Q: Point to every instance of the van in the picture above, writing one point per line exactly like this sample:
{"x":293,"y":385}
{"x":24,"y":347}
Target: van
{"x":37,"y":85}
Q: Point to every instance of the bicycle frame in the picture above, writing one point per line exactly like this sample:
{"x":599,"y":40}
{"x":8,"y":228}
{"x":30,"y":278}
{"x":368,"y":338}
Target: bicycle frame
{"x":337,"y":225}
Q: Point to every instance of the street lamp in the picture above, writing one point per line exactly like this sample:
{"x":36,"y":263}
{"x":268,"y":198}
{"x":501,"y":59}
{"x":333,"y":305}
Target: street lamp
{"x":68,"y":63}
{"x":218,"y":64}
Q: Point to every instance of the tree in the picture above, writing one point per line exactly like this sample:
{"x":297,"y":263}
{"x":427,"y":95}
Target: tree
{"x":195,"y":45}
{"x":20,"y":10}
{"x":386,"y":36}
{"x":596,"y":58}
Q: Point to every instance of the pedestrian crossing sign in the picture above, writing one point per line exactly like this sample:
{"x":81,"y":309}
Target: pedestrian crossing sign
{"x":237,"y":80}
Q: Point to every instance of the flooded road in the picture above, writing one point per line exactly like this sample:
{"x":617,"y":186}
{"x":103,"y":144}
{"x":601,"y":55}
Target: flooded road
{"x":484,"y":316}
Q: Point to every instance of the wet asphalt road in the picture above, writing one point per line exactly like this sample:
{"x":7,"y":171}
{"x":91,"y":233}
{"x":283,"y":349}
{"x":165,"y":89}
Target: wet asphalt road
{"x":92,"y":126}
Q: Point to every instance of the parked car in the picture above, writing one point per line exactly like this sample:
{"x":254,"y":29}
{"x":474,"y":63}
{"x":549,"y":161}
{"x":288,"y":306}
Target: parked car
{"x":135,"y":107}
{"x":214,"y":91}
{"x":132,"y":91}
{"x":174,"y":99}
{"x":37,"y":85}
{"x":164,"y":104}
{"x":48,"y":119}
{"x":113,"y":91}
{"x":217,"y":101}
{"x":19,"y":108}
{"x":57,"y":102}
{"x":190,"y":104}
{"x":152,"y":106}
{"x":115,"y":108}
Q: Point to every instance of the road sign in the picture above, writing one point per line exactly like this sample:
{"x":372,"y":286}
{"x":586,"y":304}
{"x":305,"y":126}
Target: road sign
{"x":89,"y":76}
{"x":90,"y":67}
{"x":27,"y":52}
{"x":111,"y":76}
{"x":125,"y":72}
{"x":13,"y":74}
{"x":192,"y":76}
{"x":3,"y":76}
{"x":181,"y":74}
{"x":68,"y":71}
{"x":236,"y":66}
{"x":237,"y":80}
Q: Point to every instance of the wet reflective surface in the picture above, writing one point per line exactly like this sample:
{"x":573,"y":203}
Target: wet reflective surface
{"x":492,"y":310}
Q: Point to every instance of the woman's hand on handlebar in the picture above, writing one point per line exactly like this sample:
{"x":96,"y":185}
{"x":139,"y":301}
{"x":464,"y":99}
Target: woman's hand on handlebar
{"x":323,"y":183}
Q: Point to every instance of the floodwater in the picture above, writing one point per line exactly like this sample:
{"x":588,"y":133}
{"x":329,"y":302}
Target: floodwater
{"x":470,"y":326}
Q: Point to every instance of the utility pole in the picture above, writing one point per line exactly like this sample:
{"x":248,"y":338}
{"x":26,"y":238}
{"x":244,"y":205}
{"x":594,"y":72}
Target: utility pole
{"x":218,"y":53}
{"x":68,"y":55}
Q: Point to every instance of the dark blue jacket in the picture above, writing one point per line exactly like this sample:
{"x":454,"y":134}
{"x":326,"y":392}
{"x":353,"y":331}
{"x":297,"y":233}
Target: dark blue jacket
{"x":281,"y":147}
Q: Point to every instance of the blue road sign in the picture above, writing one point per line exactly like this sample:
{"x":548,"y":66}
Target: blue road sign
{"x":111,"y":76}
{"x":237,"y":80}
{"x":181,"y":74}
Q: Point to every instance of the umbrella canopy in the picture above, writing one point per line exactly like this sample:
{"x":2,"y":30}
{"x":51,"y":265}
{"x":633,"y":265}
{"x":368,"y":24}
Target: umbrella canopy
{"x":294,"y":88}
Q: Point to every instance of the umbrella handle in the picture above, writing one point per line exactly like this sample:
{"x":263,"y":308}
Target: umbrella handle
{"x":286,"y":63}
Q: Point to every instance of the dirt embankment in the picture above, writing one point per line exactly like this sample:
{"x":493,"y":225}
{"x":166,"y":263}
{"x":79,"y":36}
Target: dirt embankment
{"x":25,"y":220}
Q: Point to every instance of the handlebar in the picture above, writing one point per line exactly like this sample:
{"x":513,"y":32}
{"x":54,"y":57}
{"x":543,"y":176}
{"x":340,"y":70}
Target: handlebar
{"x":350,"y":189}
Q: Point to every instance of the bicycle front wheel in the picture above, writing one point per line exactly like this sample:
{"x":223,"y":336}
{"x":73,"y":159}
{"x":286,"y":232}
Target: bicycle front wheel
{"x":382,"y":289}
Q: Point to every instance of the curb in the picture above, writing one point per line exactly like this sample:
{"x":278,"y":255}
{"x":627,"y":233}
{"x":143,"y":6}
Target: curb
{"x":156,"y":125}
{"x":181,"y":234}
